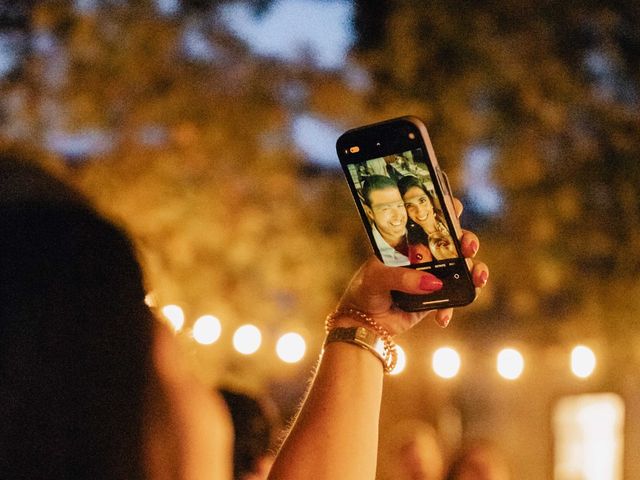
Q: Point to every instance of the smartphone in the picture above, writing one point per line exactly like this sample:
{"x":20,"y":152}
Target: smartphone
{"x":406,"y":205}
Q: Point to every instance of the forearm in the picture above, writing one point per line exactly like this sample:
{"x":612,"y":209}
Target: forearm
{"x":336,"y":432}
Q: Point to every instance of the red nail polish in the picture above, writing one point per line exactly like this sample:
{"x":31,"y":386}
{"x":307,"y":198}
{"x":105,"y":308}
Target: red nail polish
{"x":445,"y":321}
{"x":429,"y":283}
{"x":474,"y":247}
{"x":484,"y":276}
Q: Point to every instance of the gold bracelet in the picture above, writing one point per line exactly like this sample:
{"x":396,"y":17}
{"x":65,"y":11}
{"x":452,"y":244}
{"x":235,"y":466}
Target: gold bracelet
{"x":390,"y":352}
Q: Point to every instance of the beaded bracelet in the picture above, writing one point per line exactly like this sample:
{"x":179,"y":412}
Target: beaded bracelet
{"x":390,"y":352}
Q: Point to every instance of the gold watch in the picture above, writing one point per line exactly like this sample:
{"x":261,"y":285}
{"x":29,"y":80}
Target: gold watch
{"x":362,"y":337}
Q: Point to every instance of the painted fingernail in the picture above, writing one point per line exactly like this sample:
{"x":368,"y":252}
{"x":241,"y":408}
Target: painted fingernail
{"x":484,"y":276}
{"x":444,"y":321}
{"x":474,"y":247}
{"x":430,"y":283}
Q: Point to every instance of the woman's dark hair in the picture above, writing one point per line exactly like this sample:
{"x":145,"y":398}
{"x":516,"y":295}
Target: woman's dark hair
{"x":75,"y":341}
{"x":409,"y":181}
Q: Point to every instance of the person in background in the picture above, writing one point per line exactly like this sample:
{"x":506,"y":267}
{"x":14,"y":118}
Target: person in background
{"x":479,"y":460}
{"x":419,"y":453}
{"x":254,"y":425}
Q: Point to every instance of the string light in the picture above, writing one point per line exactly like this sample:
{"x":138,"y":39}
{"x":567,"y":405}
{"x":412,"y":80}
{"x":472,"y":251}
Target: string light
{"x":583,"y":361}
{"x":149,"y":300}
{"x":247,"y":339}
{"x":446,"y":362}
{"x":175,"y":316}
{"x":207,"y":330}
{"x":291,"y":347}
{"x":510,"y":363}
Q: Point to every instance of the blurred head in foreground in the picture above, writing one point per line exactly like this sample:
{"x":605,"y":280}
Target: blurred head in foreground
{"x":90,"y":385}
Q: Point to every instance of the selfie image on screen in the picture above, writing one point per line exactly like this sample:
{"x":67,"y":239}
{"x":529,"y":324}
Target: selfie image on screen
{"x":405,"y":215}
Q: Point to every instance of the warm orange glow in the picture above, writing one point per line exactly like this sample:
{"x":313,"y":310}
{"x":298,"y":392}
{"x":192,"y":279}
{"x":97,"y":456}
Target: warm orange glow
{"x":589,"y":437}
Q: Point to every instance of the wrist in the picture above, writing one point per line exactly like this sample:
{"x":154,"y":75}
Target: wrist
{"x":363,"y":338}
{"x":354,"y":326}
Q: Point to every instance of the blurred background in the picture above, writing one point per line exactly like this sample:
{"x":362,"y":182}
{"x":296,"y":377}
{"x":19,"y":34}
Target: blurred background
{"x":208,"y":129}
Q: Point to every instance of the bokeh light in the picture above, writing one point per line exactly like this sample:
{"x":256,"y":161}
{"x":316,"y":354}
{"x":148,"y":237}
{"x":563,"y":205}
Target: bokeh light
{"x":401,"y":364}
{"x":149,"y":300}
{"x":207,"y":330}
{"x":510,"y":363}
{"x":583,"y":361}
{"x":446,"y":362}
{"x":291,"y":347}
{"x":247,"y":339}
{"x":175,"y":316}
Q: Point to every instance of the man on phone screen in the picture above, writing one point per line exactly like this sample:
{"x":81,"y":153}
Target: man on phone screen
{"x":384,"y":206}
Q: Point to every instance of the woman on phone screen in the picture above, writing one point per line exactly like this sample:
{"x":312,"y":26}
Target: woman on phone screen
{"x":422,"y":213}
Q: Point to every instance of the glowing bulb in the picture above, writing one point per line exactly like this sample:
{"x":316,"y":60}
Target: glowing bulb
{"x":446,"y":362}
{"x":150,"y":300}
{"x":510,"y":363}
{"x":583,"y":361}
{"x":291,"y":347}
{"x":207,"y":329}
{"x":175,"y":316}
{"x":401,"y":363}
{"x":247,"y":339}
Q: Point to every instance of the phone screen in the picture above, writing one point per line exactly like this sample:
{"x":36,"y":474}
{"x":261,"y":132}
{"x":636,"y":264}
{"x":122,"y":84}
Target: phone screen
{"x":403,"y":208}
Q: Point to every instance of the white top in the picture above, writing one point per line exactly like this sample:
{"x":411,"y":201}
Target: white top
{"x":390,"y":256}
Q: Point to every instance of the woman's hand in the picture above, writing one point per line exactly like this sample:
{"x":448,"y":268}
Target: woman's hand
{"x":369,"y":289}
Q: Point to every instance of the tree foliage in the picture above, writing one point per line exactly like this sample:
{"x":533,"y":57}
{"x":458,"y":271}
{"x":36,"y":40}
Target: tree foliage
{"x":175,"y":130}
{"x":549,"y":94}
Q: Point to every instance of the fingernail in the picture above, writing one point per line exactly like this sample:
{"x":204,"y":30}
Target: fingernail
{"x":444,"y":321}
{"x":474,"y":247}
{"x":484,"y":276}
{"x":430,"y":283}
